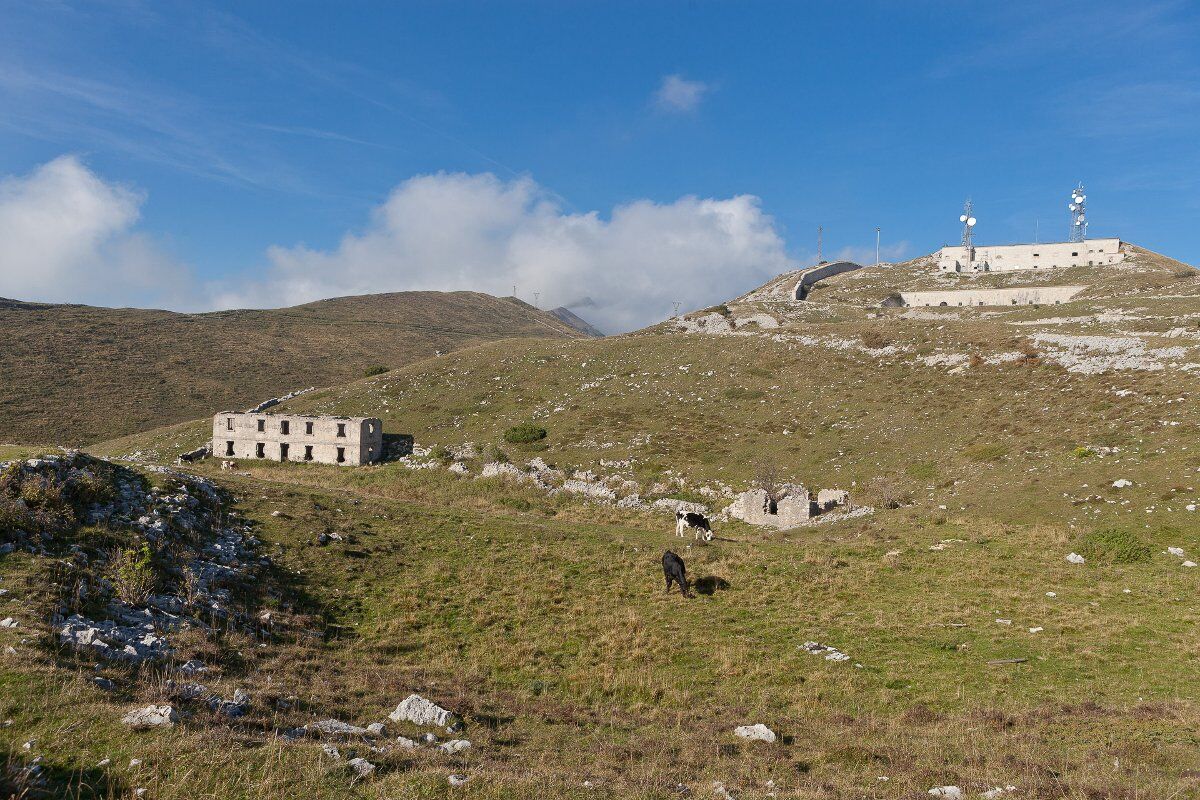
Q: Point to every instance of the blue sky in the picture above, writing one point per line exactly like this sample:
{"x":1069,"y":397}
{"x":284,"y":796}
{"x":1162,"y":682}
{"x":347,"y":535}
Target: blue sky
{"x":269,"y":152}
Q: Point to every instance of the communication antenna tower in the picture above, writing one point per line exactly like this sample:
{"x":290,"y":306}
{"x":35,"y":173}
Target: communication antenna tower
{"x":820,"y":231}
{"x":536,"y":295}
{"x":676,"y":304}
{"x":1078,"y":217}
{"x":967,"y":218}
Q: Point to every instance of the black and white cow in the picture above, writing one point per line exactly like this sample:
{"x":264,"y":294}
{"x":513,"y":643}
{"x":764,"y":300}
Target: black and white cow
{"x":696,"y":522}
{"x":675,"y":572}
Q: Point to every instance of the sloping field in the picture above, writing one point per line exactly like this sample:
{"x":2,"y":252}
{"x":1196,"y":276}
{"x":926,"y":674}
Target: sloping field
{"x":75,"y":374}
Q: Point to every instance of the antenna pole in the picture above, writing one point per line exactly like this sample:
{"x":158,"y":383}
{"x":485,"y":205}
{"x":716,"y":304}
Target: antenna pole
{"x":536,"y":295}
{"x":876,"y":245}
{"x":820,"y":231}
{"x":1036,"y":227}
{"x":676,"y":304}
{"x":1078,"y":217}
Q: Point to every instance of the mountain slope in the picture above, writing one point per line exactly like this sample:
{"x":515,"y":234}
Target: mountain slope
{"x":575,"y":321}
{"x":73,"y":374}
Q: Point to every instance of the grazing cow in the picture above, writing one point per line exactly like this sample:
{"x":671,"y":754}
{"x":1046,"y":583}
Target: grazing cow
{"x":229,"y":465}
{"x":674,"y":570}
{"x":697,"y":522}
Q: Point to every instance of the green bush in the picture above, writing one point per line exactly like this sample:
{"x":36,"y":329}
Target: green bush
{"x":525,"y":433}
{"x":738,"y":393}
{"x":378,"y":369}
{"x":131,"y":573}
{"x":1084,"y":452}
{"x":1113,"y":546}
{"x":986,"y":452}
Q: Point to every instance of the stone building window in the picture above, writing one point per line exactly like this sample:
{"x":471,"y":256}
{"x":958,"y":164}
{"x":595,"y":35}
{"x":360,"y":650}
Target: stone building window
{"x":229,"y":423}
{"x":308,"y":451}
{"x":283,"y":452}
{"x":308,"y":428}
{"x":229,"y":448}
{"x":262,"y":425}
{"x":260,"y":450}
{"x":341,"y":429}
{"x":285,"y":427}
{"x":341,"y":455}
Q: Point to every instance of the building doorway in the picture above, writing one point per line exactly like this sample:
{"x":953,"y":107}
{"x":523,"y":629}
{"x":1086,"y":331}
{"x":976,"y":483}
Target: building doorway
{"x":283,"y":452}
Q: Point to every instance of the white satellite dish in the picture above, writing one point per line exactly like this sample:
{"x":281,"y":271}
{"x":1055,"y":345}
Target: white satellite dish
{"x":962,"y":218}
{"x":971,"y":221}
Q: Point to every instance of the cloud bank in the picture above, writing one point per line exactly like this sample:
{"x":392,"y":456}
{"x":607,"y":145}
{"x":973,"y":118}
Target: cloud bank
{"x":67,"y":235}
{"x":457,"y":231}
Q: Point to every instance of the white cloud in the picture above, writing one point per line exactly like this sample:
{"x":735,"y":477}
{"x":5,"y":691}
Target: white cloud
{"x":66,"y":236}
{"x":678,"y":94}
{"x":477,"y":232}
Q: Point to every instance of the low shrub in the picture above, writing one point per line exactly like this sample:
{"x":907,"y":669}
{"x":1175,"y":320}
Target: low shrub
{"x":131,"y":573}
{"x":1113,"y":546}
{"x":378,"y":369}
{"x":525,"y":433}
{"x":985,"y":451}
{"x":738,"y":393}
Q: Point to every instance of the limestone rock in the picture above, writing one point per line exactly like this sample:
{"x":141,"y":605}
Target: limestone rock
{"x":151,"y":717}
{"x":949,"y":792}
{"x":454,"y":746}
{"x":757,"y":732}
{"x":335,"y":728}
{"x":457,"y":780}
{"x":362,"y":768}
{"x":1075,"y":558}
{"x":419,"y":711}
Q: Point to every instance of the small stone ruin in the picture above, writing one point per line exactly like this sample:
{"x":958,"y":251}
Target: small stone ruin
{"x":792,"y":505}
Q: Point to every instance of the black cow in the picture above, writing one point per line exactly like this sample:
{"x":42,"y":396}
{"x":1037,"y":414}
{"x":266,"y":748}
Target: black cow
{"x":674,"y":570}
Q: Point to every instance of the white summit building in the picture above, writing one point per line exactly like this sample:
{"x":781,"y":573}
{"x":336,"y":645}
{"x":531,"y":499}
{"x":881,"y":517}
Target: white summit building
{"x":1013,"y":257}
{"x":1078,"y":251}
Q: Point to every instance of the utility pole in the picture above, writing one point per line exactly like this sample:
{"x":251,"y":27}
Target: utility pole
{"x":514,"y":290}
{"x":876,"y":245}
{"x":820,"y":231}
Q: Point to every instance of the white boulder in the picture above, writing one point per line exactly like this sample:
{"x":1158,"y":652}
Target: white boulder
{"x":151,"y":717}
{"x":757,"y":732}
{"x":419,"y":711}
{"x":1075,"y":558}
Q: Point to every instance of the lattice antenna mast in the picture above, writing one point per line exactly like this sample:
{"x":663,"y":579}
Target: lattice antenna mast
{"x":1079,"y":221}
{"x":820,"y":235}
{"x":967,"y":218}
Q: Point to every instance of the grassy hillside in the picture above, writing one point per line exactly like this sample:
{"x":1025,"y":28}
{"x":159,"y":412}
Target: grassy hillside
{"x":75,"y":374}
{"x":988,"y":442}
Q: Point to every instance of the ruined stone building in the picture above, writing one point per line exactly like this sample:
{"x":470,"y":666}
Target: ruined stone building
{"x":794,"y":505}
{"x":346,"y":441}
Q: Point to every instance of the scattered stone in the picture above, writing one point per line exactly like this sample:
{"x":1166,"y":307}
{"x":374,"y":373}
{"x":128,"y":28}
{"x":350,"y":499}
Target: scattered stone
{"x":335,"y":728}
{"x":1004,"y":621}
{"x":997,"y":791}
{"x":419,"y":711}
{"x":1075,"y":558}
{"x":104,"y":683}
{"x":406,"y":743}
{"x":720,"y":791}
{"x":376,"y":729}
{"x":952,"y":792}
{"x":1189,"y":563}
{"x":331,"y":752}
{"x":454,"y":746}
{"x":830,"y":653}
{"x":135,"y":762}
{"x":757,"y":732}
{"x":1121,"y":483}
{"x":1038,"y":629}
{"x":104,"y":762}
{"x":8,"y":622}
{"x":1051,"y":594}
{"x":1175,"y":551}
{"x":457,"y":780}
{"x":362,"y":768}
{"x":151,"y":717}
{"x":459,"y":468}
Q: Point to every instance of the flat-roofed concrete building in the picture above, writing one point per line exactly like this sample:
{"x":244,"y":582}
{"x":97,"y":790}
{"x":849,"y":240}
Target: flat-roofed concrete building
{"x":1013,"y":257}
{"x":346,"y":441}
